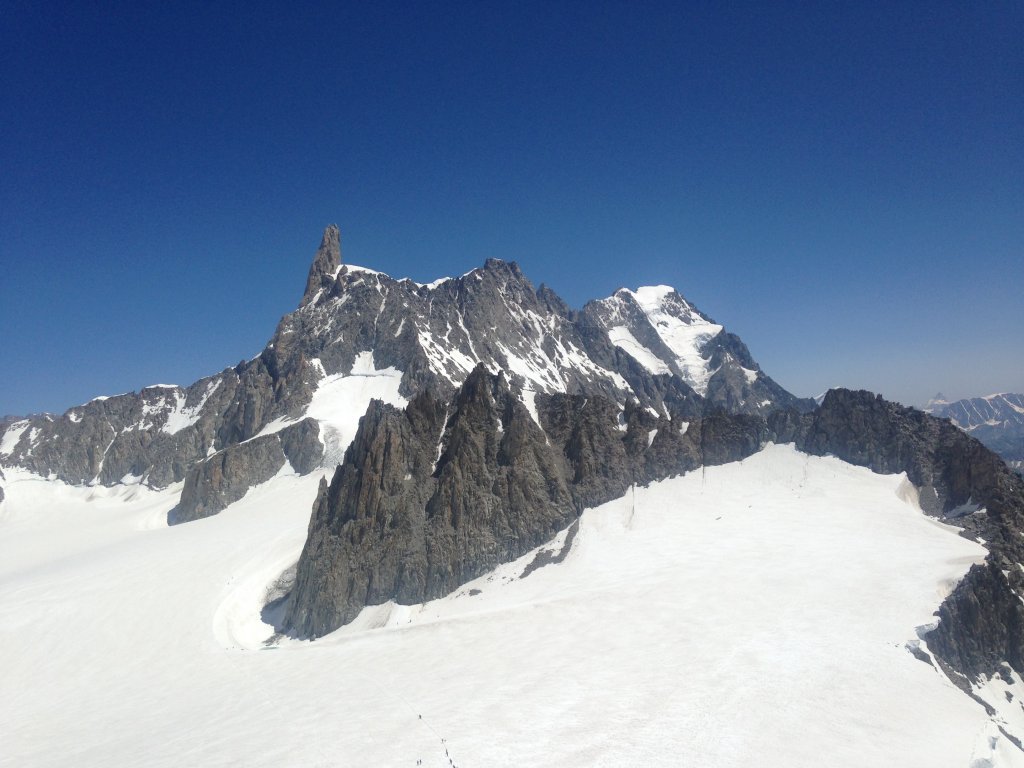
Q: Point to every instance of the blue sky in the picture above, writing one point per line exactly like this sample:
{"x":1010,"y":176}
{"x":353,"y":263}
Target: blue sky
{"x":841,"y":184}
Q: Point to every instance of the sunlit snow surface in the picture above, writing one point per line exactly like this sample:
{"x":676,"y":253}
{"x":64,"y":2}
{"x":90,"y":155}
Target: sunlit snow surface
{"x":753,"y":614}
{"x":683,"y":331}
{"x":11,"y":436}
{"x":621,"y":337}
{"x":339,"y":402}
{"x":685,"y":338}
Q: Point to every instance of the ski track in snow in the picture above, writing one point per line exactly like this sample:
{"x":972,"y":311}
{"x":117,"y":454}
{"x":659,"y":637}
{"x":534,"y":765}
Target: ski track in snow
{"x":749,"y":614}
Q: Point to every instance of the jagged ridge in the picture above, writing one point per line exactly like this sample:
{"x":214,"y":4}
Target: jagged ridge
{"x":434,"y":495}
{"x":431,"y":335}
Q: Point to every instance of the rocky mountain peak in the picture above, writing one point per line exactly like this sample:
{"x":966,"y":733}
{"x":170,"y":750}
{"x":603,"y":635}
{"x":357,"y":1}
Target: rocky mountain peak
{"x":325,"y":263}
{"x":649,"y":345}
{"x":995,"y":420}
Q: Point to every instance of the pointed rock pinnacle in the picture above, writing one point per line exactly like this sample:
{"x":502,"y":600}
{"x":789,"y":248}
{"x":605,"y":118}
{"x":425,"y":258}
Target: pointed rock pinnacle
{"x":325,"y":263}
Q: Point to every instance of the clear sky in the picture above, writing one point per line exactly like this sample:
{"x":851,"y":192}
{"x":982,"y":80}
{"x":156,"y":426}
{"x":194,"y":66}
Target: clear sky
{"x":841,"y":184}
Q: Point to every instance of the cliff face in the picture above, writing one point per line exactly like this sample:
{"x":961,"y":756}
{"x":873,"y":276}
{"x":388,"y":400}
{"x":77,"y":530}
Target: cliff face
{"x":426,"y":499}
{"x":222,"y":479}
{"x":435,"y":495}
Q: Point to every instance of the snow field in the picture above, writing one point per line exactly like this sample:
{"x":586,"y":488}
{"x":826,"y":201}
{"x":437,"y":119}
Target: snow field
{"x":749,"y":614}
{"x":341,"y":400}
{"x":620,"y":336}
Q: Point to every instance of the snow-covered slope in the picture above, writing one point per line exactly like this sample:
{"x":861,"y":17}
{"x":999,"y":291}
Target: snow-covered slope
{"x":340,"y":400}
{"x":756,"y":613}
{"x":681,"y":330}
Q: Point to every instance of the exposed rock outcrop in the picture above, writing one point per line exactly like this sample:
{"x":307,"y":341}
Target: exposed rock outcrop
{"x":438,"y":494}
{"x":981,"y":625}
{"x":426,"y":499}
{"x":325,"y":264}
{"x":224,"y":478}
{"x":155,"y":436}
{"x":953,"y":470}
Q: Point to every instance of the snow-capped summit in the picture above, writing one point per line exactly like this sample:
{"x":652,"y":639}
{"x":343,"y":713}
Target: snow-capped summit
{"x":666,"y":335}
{"x":680,"y":332}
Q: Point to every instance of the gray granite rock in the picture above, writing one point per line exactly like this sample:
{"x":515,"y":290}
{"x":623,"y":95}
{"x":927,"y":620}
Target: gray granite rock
{"x":224,"y":478}
{"x":440,"y":493}
{"x":325,"y":264}
{"x":981,"y":625}
{"x":426,"y":499}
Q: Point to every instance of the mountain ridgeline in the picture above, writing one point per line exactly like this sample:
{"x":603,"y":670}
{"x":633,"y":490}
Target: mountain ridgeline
{"x":470,"y":420}
{"x":996,"y":420}
{"x":209,"y":435}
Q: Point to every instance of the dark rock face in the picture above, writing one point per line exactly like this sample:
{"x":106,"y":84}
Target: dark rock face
{"x":732,"y":389}
{"x":325,"y":264}
{"x":302,"y":446}
{"x":952,"y":467}
{"x":427,"y":498}
{"x":224,"y":478}
{"x":155,"y":436}
{"x":433,"y":496}
{"x":981,"y":625}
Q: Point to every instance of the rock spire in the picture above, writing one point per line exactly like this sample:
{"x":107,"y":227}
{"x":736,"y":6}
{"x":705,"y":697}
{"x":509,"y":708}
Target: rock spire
{"x":325,"y":263}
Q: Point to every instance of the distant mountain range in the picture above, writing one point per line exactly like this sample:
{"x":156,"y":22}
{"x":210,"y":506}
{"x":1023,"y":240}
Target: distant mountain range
{"x":995,"y":420}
